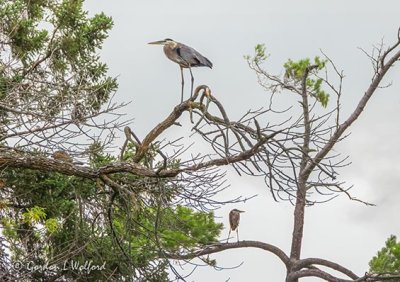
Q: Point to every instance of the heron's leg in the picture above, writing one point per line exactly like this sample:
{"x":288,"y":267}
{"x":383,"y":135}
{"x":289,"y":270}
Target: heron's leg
{"x":237,"y":233}
{"x":229,"y":235}
{"x":183,"y":82}
{"x":191,"y":88}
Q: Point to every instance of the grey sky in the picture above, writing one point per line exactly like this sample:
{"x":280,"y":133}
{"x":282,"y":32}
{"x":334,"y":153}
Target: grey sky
{"x":225,"y":30}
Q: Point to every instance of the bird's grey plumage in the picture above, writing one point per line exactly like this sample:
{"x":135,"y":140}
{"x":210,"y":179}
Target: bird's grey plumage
{"x":189,"y":57}
{"x":234,"y":219}
{"x":184,"y":56}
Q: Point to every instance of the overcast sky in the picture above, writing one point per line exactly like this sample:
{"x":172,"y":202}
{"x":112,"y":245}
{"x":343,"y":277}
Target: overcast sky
{"x":343,"y":231}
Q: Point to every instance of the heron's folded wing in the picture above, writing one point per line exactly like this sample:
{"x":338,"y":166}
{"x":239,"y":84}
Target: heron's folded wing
{"x":192,"y":57}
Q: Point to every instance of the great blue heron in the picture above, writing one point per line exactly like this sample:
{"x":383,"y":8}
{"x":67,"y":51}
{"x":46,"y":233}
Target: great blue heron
{"x":184,"y":56}
{"x":234,"y":218}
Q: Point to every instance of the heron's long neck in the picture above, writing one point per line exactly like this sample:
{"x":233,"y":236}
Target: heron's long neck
{"x":171,"y":52}
{"x":171,"y":45}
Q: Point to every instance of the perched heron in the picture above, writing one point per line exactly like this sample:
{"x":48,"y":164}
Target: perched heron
{"x":234,"y":218}
{"x":184,"y":56}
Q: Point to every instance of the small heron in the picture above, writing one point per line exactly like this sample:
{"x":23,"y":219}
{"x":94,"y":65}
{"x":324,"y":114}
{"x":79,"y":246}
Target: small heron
{"x":185,"y":57}
{"x":234,"y":218}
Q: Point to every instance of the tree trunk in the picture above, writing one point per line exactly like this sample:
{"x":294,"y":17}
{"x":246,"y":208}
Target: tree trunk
{"x":298,"y":224}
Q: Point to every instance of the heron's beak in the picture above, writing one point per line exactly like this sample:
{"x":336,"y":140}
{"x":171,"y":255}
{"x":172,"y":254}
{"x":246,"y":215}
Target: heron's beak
{"x":241,"y":211}
{"x":161,"y":42}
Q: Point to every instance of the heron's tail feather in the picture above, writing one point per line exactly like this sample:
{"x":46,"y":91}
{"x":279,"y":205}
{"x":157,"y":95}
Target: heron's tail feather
{"x":207,"y":63}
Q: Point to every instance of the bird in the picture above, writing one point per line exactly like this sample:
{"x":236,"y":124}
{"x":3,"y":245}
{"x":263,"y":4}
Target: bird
{"x":64,"y":157}
{"x":185,"y":57}
{"x":234,"y":218}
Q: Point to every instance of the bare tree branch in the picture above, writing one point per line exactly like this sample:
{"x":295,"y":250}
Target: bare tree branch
{"x":219,"y":247}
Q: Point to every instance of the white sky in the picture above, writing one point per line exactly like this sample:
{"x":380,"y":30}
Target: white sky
{"x":225,"y":30}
